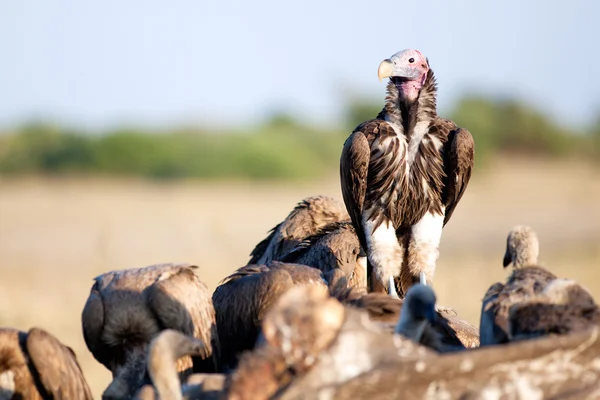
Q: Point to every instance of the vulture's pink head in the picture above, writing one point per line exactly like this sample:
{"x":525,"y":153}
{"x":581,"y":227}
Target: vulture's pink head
{"x":407,"y":69}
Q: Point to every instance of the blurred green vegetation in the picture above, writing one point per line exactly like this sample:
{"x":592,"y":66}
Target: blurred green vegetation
{"x":280,"y":148}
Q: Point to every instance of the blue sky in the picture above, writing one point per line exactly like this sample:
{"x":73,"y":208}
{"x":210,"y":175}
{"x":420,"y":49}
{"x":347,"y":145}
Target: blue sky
{"x":98,"y":64}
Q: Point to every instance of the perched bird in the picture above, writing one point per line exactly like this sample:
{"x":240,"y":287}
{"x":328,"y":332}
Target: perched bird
{"x":525,"y":282}
{"x":242,"y":300}
{"x":127,"y":309}
{"x":306,"y":219}
{"x":561,"y":308}
{"x":418,"y":316}
{"x":35,"y":365}
{"x":335,"y":246}
{"x":165,"y":350}
{"x":403,"y":174}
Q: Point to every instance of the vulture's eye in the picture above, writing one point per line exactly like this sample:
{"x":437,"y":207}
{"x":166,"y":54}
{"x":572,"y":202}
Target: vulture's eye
{"x":411,"y":60}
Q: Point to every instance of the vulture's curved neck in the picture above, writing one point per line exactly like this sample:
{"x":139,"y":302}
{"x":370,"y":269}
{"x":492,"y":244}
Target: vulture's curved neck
{"x":163,"y":371}
{"x":407,"y":114}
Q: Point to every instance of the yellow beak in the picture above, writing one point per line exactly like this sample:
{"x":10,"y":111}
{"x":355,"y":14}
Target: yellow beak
{"x":386,"y":69}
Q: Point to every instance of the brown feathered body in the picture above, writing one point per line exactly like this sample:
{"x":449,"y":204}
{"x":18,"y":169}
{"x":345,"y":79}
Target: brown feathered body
{"x":562,"y":308}
{"x":402,"y":176}
{"x":335,"y":246}
{"x":306,"y":219}
{"x":523,"y":284}
{"x":127,"y":309}
{"x":242,"y":300}
{"x":36,"y":365}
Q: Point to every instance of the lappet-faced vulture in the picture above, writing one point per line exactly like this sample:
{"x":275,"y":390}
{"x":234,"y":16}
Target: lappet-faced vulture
{"x":403,"y":174}
{"x":127,"y":309}
{"x":242,"y":300}
{"x":35,"y":365}
{"x":306,"y":219}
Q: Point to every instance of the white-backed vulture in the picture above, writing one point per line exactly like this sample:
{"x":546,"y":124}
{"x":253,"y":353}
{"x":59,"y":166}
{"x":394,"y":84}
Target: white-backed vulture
{"x":306,"y":219}
{"x":165,"y":350}
{"x":127,"y":309}
{"x":525,"y":282}
{"x":335,"y":246}
{"x":36,"y":365}
{"x":561,"y":308}
{"x":403,"y":174}
{"x":242,"y":300}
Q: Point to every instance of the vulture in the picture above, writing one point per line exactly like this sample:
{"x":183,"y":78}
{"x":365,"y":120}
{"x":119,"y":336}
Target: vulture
{"x":243,"y":298}
{"x":335,"y":246}
{"x":306,"y":219}
{"x":561,"y":308}
{"x":35,"y":365}
{"x":525,"y":282}
{"x":165,"y":350}
{"x":418,"y":317}
{"x":127,"y":309}
{"x":402,"y":176}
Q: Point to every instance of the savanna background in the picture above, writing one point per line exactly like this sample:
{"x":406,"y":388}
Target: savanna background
{"x":138,"y":133}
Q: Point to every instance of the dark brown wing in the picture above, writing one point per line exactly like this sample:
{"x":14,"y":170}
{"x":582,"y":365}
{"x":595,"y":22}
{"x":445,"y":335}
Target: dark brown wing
{"x":241,"y":302}
{"x":458,"y":164}
{"x":262,"y":246}
{"x":57,"y":366}
{"x":335,"y":246}
{"x":539,"y":318}
{"x":181,"y":301}
{"x":92,"y":323}
{"x":354,"y":167}
{"x":307,"y":218}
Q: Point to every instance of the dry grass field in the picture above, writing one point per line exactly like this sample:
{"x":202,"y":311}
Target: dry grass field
{"x":56,"y":235}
